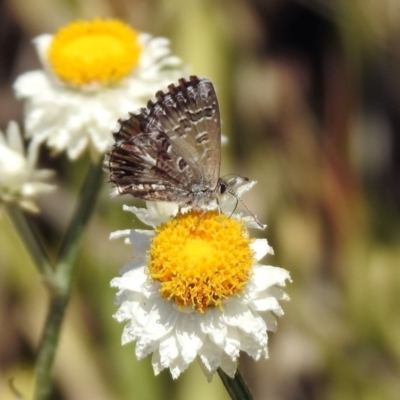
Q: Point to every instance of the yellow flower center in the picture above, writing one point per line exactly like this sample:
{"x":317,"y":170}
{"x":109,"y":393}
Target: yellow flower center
{"x":201,"y":259}
{"x":100,"y":51}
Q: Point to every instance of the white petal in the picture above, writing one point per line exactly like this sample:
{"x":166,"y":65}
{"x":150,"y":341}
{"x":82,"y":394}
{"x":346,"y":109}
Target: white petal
{"x":30,"y":189}
{"x":232,"y":342}
{"x":270,"y":321}
{"x":189,"y":336}
{"x":265,"y":276}
{"x":132,"y":280}
{"x":254,"y":346}
{"x":214,"y":326}
{"x":278,"y":293}
{"x":156,"y":363}
{"x":245,"y":187}
{"x":42,"y":43}
{"x":129,"y":303}
{"x":229,"y":365}
{"x":14,"y":137}
{"x":149,"y":215}
{"x":260,"y":248}
{"x":164,"y":210}
{"x":265,"y":304}
{"x":210,"y":356}
{"x":128,"y":334}
{"x":29,"y":83}
{"x":177,"y":367}
{"x":11,"y":163}
{"x":168,"y":350}
{"x":20,"y":181}
{"x":162,"y":319}
{"x":140,"y":240}
{"x":120,"y":234}
{"x":239,"y":315}
{"x":145,"y":346}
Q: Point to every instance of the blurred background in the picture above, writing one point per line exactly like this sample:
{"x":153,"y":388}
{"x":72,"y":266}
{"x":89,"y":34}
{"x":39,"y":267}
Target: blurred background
{"x":310,"y":99}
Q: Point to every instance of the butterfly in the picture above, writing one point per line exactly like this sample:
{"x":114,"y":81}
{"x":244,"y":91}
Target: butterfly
{"x":171,"y":150}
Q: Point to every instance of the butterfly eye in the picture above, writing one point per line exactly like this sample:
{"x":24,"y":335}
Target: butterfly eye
{"x":222,"y":187}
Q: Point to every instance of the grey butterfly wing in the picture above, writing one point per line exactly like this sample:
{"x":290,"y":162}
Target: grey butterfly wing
{"x":189,"y":115}
{"x":171,"y":150}
{"x":142,"y":166}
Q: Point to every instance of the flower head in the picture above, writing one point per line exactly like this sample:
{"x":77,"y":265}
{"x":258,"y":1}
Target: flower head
{"x":20,"y":182}
{"x":93,"y":72}
{"x":195,"y":289}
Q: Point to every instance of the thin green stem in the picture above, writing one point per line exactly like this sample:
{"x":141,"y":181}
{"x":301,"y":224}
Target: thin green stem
{"x":236,"y":387}
{"x":31,"y":240}
{"x":48,"y":346}
{"x":87,"y":201}
{"x":64,"y":272}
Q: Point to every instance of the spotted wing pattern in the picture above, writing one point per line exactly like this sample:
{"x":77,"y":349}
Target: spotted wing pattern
{"x":171,"y":150}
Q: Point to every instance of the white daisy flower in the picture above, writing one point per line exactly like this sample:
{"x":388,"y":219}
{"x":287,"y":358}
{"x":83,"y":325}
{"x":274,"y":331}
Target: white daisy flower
{"x":195,"y":289}
{"x":20,"y":181}
{"x":93,"y":72}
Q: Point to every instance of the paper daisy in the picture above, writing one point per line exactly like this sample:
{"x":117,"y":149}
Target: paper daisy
{"x":20,"y":181}
{"x":195,"y":289}
{"x":93,"y":72}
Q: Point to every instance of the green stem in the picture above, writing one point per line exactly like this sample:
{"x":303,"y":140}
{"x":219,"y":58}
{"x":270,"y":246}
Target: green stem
{"x":31,"y":240}
{"x":60,"y":291}
{"x":236,"y":387}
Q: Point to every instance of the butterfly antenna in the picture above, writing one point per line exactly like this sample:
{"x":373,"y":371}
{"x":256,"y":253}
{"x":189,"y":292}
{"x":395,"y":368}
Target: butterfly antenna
{"x":261,"y":225}
{"x":237,"y":201}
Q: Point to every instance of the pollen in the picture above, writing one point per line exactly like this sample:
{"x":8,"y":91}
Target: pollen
{"x":98,"y":51}
{"x":201,"y":259}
